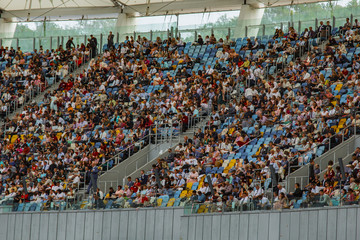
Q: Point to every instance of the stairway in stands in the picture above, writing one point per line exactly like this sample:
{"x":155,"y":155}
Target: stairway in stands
{"x":343,"y":150}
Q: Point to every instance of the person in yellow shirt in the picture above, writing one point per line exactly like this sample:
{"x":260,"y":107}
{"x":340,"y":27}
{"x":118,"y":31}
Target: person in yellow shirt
{"x":246,"y":63}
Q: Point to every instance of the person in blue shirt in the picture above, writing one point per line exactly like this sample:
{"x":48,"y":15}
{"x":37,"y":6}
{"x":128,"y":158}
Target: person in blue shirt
{"x":201,"y":197}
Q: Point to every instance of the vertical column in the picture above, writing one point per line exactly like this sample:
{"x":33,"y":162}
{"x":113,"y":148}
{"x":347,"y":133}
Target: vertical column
{"x":248,"y":16}
{"x":101,"y":43}
{"x":125,"y":24}
{"x":263,"y":30}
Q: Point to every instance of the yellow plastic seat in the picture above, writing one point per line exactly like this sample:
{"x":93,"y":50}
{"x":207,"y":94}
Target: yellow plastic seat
{"x":338,"y":87}
{"x":201,"y":209}
{"x":171,"y":202}
{"x":159,"y":202}
{"x":189,"y":185}
{"x":83,"y":204}
{"x":14,"y":138}
{"x":189,"y":194}
{"x":231,"y":130}
{"x":183,"y":193}
{"x":58,"y":135}
{"x":342,"y":122}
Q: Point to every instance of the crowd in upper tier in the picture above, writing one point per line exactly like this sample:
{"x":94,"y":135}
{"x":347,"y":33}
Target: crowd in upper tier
{"x":282,"y":120}
{"x":285,"y":109}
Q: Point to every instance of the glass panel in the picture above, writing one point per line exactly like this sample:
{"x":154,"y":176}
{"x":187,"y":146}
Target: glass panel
{"x":307,"y":24}
{"x":163,"y":35}
{"x":187,"y":35}
{"x":254,"y":31}
{"x":7,"y":42}
{"x":221,"y":32}
{"x":232,"y":32}
{"x":78,"y":40}
{"x":204,"y":32}
{"x":45,"y":43}
{"x":26,"y":45}
{"x":270,"y":29}
{"x":144,"y":34}
{"x":36,"y":43}
{"x":14,"y":43}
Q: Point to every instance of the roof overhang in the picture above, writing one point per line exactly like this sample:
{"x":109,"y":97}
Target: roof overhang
{"x":78,"y":9}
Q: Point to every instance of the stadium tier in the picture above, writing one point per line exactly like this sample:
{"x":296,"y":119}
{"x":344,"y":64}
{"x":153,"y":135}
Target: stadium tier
{"x":274,"y":104}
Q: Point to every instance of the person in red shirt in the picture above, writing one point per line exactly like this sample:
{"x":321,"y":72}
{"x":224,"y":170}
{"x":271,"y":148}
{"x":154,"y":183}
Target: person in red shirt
{"x":136,"y":185}
{"x":24,"y":197}
{"x":62,"y":85}
{"x":69,"y":85}
{"x":143,"y":198}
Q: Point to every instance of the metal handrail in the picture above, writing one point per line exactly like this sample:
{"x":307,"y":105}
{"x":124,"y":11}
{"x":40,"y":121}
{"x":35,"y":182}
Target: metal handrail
{"x":147,"y":156}
{"x":316,"y":147}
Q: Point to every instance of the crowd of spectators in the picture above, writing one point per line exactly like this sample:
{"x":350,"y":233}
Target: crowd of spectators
{"x":58,"y":144}
{"x":310,"y":100}
{"x":289,"y":112}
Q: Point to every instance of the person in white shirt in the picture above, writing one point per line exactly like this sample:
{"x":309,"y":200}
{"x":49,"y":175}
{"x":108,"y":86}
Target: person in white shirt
{"x":205,"y":189}
{"x":264,"y":202}
{"x":209,"y":70}
{"x":315,"y":189}
{"x":244,"y":199}
{"x":224,"y":56}
{"x":281,"y":189}
{"x":180,"y":183}
{"x":258,"y":192}
{"x":152,"y":70}
{"x":250,"y":92}
{"x":60,"y":195}
{"x":179,"y":148}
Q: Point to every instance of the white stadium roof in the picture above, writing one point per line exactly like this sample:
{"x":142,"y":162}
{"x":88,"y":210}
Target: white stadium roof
{"x":24,"y":8}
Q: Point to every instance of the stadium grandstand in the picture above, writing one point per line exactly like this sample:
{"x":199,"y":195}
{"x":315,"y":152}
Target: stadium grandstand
{"x":179,"y":119}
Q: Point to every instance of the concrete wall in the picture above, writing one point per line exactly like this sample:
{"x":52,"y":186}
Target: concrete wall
{"x":169,"y":223}
{"x":125,"y":224}
{"x":311,"y":224}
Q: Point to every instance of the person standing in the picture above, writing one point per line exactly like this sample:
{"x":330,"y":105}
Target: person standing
{"x":111,"y":41}
{"x":70,"y":43}
{"x":93,"y":45}
{"x":93,"y":178}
